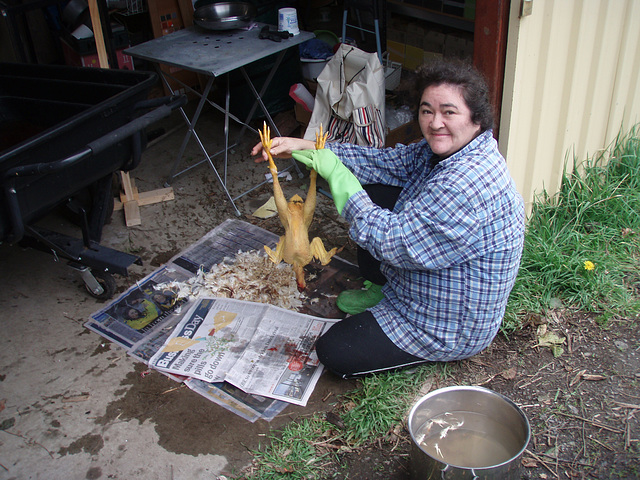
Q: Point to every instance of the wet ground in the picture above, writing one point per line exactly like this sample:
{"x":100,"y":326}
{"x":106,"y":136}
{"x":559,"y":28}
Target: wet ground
{"x":74,"y":405}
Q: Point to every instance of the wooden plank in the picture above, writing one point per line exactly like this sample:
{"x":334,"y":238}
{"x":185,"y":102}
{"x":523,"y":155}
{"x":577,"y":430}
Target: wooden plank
{"x":148,"y":198}
{"x":98,"y":34}
{"x":127,"y":185}
{"x":186,"y":10}
{"x":132,"y":214}
{"x":490,"y":47}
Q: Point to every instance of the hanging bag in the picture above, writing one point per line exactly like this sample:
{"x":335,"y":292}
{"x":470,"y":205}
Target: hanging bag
{"x":349,"y":99}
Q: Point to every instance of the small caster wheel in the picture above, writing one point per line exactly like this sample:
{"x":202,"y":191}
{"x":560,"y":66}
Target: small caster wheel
{"x":108,"y":284}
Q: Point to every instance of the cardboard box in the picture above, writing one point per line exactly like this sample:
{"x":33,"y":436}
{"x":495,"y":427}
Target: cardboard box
{"x":459,"y":46}
{"x":302,"y":116}
{"x":433,"y":41}
{"x":413,"y":57}
{"x":404,"y":134}
{"x":396,"y":51}
{"x":168,"y":16}
{"x":431,"y":56}
{"x":71,"y":57}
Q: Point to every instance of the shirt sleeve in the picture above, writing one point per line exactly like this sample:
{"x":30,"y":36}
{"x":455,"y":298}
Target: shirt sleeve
{"x":388,"y":166}
{"x":436,"y":230}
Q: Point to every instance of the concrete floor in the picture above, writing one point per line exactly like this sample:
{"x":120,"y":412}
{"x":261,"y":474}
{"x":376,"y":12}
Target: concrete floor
{"x":73,"y":405}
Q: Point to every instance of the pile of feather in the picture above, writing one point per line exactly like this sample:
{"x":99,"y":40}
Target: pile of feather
{"x":249,"y":276}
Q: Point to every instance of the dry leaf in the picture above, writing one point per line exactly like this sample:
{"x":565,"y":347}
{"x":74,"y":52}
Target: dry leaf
{"x":577,"y":378}
{"x":551,"y":340}
{"x":509,"y":374}
{"x":529,"y":462}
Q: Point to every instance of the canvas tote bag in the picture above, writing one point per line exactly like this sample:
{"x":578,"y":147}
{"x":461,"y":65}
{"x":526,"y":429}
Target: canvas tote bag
{"x":349,"y":99}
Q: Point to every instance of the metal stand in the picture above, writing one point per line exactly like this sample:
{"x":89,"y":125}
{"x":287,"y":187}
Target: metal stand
{"x":215,"y":54}
{"x":371,"y":6}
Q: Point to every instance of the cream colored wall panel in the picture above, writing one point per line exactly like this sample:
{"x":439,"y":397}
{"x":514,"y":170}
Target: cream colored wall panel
{"x":626,"y":92}
{"x":571,"y":80}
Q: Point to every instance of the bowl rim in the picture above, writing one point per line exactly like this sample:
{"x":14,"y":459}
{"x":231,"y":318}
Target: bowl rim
{"x":471,"y":388}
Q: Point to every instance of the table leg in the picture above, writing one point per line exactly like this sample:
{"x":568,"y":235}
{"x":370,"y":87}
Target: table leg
{"x":191,"y":127}
{"x":263,"y":106}
{"x":261,"y":94}
{"x":192,"y":132}
{"x":226,"y":131}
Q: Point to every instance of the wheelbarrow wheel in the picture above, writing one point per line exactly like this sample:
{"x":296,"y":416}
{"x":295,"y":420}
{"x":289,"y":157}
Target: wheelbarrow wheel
{"x":108,"y":284}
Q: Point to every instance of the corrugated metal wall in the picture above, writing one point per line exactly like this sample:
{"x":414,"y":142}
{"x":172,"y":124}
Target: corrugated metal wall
{"x":572,"y":82}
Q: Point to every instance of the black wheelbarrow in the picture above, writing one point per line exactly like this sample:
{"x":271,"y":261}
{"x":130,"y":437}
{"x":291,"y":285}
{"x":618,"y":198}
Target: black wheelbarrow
{"x":64,"y":131}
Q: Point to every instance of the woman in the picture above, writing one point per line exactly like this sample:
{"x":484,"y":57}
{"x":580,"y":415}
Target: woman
{"x":440,"y":228}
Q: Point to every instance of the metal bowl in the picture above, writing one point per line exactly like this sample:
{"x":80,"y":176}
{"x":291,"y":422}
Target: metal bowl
{"x":467,"y":432}
{"x":224,"y":15}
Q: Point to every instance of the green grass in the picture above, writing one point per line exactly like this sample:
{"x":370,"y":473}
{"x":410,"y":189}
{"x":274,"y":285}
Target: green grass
{"x":381,"y":401}
{"x":299,"y":450}
{"x":295,"y":452}
{"x":594,"y":217}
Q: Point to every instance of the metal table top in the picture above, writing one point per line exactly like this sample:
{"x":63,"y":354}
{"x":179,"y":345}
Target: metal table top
{"x":212,"y":52}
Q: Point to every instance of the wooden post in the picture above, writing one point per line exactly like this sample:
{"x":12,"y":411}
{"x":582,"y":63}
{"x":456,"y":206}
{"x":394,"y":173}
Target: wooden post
{"x":130,"y":198}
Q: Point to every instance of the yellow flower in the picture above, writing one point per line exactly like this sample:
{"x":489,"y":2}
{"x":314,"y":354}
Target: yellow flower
{"x":588,"y":265}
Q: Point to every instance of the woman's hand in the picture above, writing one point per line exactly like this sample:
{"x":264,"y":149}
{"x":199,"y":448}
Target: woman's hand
{"x":281,"y":147}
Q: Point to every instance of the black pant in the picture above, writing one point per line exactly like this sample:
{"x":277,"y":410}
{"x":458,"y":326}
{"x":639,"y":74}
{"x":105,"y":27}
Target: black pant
{"x":357,"y":345}
{"x":384,"y":196}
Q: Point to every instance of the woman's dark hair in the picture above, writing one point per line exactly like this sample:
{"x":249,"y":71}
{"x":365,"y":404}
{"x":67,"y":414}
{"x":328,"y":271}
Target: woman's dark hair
{"x":457,"y":72}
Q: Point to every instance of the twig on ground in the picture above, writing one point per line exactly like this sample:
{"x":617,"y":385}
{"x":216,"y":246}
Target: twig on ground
{"x":29,"y":441}
{"x":595,"y":424}
{"x":76,"y":398}
{"x":487,"y":380}
{"x":602,"y":444}
{"x":544,"y":464}
{"x":172,"y":389}
{"x":627,"y":433}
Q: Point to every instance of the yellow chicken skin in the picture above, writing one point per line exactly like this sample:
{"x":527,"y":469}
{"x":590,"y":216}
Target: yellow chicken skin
{"x":296,"y":215}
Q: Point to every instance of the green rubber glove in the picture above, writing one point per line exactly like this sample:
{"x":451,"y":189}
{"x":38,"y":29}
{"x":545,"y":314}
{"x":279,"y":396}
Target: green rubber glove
{"x":341,"y":181}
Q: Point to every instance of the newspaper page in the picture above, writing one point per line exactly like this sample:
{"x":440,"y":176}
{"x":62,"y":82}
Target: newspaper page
{"x":139,"y":311}
{"x":261,"y":349}
{"x":282,"y":362}
{"x":142,"y":309}
{"x":142,"y":319}
{"x":248,"y":406}
{"x":209,"y":339}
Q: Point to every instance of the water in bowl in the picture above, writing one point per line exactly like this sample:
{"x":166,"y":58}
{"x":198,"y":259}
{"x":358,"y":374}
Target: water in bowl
{"x":467,"y":440}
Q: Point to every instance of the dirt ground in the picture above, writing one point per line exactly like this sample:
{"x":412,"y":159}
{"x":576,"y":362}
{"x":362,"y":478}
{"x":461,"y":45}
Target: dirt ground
{"x":73,"y":405}
{"x":583,"y":406}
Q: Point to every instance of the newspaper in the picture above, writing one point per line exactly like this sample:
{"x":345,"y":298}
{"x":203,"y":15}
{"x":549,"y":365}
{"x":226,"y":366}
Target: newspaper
{"x":141,"y":311}
{"x":248,"y":406}
{"x":142,"y":319}
{"x":261,"y":349}
{"x":140,"y":315}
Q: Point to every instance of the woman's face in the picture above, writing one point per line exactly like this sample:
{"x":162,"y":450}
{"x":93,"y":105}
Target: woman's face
{"x":445,"y":119}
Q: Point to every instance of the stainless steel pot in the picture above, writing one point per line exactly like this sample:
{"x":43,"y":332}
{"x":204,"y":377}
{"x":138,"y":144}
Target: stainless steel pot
{"x":225,"y":15}
{"x":467,"y":433}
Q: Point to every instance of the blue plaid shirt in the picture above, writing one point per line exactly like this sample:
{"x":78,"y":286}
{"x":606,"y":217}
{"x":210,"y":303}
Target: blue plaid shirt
{"x":450,"y":249}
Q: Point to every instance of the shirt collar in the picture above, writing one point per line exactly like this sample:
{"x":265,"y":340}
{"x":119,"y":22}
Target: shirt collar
{"x":463,"y":151}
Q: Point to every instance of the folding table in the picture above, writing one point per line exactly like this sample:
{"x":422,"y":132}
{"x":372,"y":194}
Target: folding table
{"x":215,"y":53}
